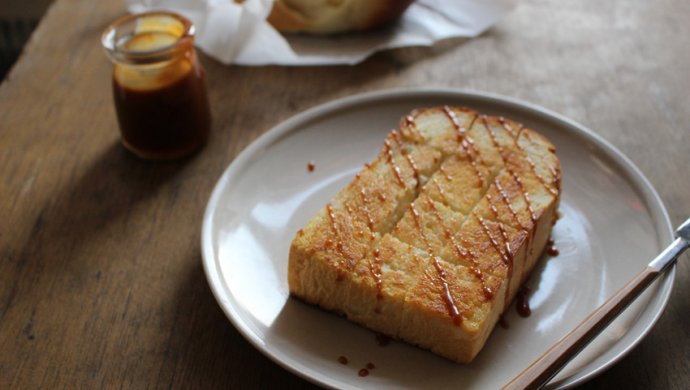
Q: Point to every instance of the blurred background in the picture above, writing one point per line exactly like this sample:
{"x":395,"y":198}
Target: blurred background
{"x":18,"y":18}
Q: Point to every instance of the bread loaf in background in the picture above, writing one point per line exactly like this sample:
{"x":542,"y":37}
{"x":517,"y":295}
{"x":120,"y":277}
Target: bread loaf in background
{"x":432,"y":240}
{"x":334,"y":16}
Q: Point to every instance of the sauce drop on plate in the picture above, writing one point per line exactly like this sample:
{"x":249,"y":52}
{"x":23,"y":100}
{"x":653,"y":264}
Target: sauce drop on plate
{"x":382,"y":340}
{"x":551,"y":248}
{"x":503,"y":323}
{"x":522,"y":302}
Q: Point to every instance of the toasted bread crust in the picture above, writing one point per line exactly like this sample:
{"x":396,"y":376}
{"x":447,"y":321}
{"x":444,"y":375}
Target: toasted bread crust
{"x":334,"y":16}
{"x":431,"y":241}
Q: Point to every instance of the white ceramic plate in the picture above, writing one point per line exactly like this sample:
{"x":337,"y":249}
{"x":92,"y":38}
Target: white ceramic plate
{"x":613,"y":223}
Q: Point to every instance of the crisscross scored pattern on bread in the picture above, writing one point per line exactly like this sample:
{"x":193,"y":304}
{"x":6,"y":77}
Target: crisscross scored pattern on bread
{"x":432,"y":240}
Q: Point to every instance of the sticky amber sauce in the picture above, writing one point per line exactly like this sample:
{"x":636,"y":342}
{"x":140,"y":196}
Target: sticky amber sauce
{"x":162,"y":108}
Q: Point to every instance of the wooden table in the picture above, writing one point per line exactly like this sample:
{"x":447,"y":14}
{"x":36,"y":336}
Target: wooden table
{"x":101,"y":282}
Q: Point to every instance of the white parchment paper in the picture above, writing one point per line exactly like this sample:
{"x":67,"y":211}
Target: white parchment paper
{"x":239,"y":34}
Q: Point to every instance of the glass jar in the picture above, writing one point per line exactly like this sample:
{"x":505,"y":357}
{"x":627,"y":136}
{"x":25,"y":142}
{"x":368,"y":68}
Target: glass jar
{"x":159,"y":85}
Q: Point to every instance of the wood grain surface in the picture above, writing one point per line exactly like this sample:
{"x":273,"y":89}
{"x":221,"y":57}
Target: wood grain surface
{"x":101,"y":283}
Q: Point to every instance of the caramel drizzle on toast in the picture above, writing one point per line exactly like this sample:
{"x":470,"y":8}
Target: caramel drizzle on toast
{"x":412,"y":125}
{"x":510,"y":170}
{"x":508,"y":128}
{"x":339,"y":245}
{"x":445,"y":173}
{"x":441,"y":191}
{"x":410,"y":161}
{"x":375,"y":263}
{"x":533,"y":166}
{"x":375,"y":269}
{"x":504,"y":196}
{"x":517,"y":179}
{"x":391,"y":161}
{"x":508,"y":254}
{"x":460,"y":252}
{"x":466,"y":143}
{"x":468,"y":147}
{"x":446,"y":295}
{"x":492,"y":240}
{"x":367,"y":213}
{"x":506,"y":242}
{"x":525,"y":195}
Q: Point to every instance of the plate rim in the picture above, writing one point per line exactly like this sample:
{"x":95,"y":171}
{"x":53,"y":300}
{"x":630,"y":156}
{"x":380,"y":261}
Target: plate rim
{"x":641,"y":184}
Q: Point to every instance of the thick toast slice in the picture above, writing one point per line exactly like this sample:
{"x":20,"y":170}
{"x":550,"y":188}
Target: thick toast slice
{"x":431,"y":241}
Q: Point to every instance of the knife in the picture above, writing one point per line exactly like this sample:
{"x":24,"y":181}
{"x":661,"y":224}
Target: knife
{"x":552,"y":361}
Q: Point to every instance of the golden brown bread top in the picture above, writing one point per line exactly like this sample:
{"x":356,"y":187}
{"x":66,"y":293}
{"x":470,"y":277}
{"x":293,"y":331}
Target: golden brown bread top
{"x":437,"y":218}
{"x":334,"y":16}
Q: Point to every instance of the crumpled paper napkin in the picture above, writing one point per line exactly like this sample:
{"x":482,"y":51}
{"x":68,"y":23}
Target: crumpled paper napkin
{"x":239,"y":33}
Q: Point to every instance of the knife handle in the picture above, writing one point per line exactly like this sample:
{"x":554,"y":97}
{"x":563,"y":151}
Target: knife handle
{"x":553,"y":360}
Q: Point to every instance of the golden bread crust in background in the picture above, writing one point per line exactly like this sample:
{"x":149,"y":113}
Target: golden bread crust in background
{"x":334,"y":16}
{"x":431,"y":241}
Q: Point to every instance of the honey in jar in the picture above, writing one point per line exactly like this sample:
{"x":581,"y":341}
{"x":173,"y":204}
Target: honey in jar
{"x":158,"y":85}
